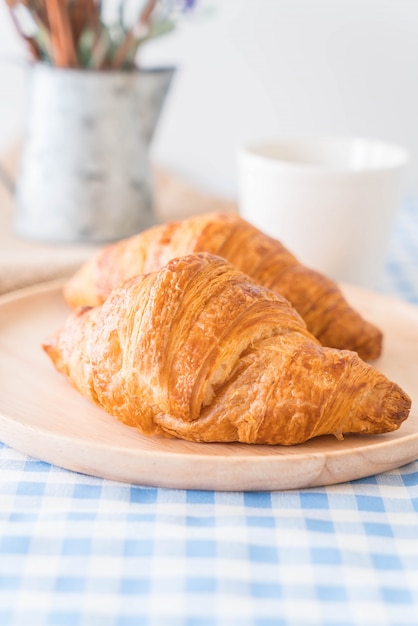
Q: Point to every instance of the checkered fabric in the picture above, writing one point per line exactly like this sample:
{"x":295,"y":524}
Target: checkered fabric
{"x":81,"y":551}
{"x":401,"y":271}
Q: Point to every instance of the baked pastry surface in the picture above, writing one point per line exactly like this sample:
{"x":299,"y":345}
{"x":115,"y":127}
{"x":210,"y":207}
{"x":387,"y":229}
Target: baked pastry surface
{"x":318,"y":299}
{"x":198,"y":350}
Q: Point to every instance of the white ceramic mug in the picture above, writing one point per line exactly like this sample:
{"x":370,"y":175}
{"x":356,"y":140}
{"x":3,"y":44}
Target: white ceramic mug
{"x":330,"y":201}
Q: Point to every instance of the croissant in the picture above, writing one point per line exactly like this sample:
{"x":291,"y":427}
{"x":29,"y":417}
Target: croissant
{"x":199,"y":351}
{"x":318,"y":299}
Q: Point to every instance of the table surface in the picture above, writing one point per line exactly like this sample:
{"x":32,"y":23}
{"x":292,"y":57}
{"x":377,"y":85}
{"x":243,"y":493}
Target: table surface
{"x":81,"y":551}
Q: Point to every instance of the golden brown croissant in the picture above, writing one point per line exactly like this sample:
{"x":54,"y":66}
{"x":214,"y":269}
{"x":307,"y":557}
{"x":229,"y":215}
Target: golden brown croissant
{"x":199,"y":351}
{"x":318,"y":299}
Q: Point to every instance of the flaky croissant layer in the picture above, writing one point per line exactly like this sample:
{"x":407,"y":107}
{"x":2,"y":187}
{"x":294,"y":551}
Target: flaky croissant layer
{"x":319,"y":300}
{"x":199,"y":351}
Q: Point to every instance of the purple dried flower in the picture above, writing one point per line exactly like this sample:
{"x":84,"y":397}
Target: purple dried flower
{"x":189,"y":5}
{"x":177,"y":6}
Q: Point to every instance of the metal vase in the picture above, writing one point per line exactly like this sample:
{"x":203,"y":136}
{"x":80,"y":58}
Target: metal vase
{"x":85,"y":172}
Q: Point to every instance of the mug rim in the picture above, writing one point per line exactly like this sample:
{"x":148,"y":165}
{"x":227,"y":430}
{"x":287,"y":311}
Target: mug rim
{"x":270,"y":151}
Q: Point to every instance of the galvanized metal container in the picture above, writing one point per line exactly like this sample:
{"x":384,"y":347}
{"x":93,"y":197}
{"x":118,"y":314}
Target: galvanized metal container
{"x":85,"y":171}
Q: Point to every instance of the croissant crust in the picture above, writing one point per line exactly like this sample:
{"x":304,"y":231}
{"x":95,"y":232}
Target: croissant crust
{"x":198,"y":350}
{"x":318,"y":299}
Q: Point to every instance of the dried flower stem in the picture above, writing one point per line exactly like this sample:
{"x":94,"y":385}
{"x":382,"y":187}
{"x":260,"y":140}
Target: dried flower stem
{"x":63,"y":48}
{"x":124,"y":49}
{"x":83,"y":14}
{"x":72,"y":33}
{"x":33,"y":48}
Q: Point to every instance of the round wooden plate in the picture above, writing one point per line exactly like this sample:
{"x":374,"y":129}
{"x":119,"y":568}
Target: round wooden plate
{"x":43,"y":416}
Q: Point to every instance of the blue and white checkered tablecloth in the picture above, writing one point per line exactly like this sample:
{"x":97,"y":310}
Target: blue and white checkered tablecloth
{"x":81,"y":551}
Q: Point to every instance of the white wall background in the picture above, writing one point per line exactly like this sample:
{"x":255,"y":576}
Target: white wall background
{"x":260,"y":68}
